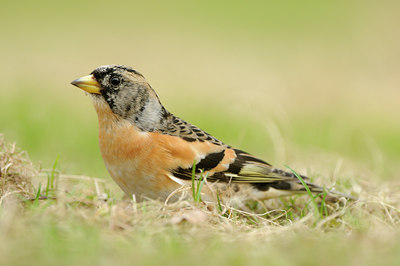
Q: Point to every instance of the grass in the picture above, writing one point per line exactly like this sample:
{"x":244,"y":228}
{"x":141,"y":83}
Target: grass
{"x":197,"y":184}
{"x":310,"y":84}
{"x":85,"y":223}
{"x":317,"y":211}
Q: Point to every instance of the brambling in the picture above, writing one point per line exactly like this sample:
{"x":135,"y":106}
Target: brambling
{"x":150,"y":152}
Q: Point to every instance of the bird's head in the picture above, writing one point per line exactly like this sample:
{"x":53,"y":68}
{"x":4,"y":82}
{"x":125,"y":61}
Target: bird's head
{"x":126,"y":92}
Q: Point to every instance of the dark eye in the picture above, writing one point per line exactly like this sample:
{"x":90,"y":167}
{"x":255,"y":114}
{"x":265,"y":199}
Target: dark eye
{"x":115,"y":80}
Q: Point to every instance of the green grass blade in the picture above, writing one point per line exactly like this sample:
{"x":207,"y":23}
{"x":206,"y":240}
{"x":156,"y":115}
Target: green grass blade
{"x":193,"y":179}
{"x":38,"y":193}
{"x":324,"y":210}
{"x":53,"y":172}
{"x":200,"y":187}
{"x":310,"y":194}
{"x":219,"y":202}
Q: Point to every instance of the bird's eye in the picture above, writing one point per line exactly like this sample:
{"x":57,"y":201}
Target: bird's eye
{"x":115,"y":80}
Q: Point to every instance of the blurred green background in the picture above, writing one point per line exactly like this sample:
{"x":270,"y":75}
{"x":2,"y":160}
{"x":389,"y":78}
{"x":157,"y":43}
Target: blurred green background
{"x":285,"y":80}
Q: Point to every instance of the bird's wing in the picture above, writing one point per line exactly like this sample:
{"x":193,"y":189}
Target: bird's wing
{"x":221,"y":163}
{"x":180,"y":128}
{"x":236,"y":166}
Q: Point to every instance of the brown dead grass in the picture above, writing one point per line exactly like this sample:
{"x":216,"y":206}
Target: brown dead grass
{"x":16,"y":171}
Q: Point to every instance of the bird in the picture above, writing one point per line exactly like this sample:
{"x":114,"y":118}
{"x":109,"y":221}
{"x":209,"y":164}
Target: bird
{"x":150,"y":153}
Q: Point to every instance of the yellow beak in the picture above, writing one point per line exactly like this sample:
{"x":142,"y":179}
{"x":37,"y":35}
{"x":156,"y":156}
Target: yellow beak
{"x":87,"y":83}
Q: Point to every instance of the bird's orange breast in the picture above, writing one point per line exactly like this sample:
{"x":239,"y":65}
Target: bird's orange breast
{"x":140,"y":162}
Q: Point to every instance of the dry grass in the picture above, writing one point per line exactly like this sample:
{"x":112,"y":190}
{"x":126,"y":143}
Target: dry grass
{"x":83,"y":211}
{"x":16,"y":171}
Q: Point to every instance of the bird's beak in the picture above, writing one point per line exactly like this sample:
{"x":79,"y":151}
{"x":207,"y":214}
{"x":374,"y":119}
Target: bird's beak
{"x":87,"y":83}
